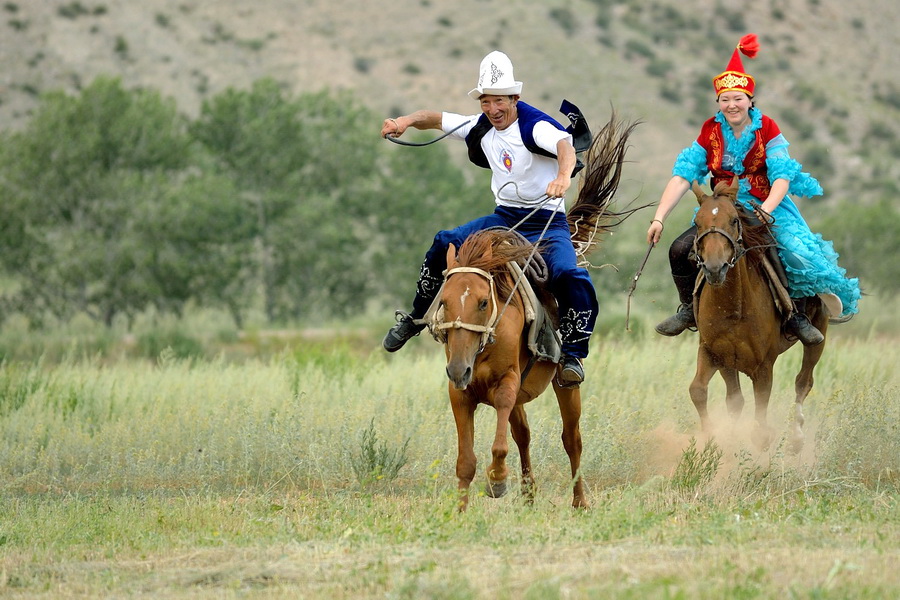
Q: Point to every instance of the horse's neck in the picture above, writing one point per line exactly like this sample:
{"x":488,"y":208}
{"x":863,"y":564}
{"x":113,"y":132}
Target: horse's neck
{"x":731,"y":297}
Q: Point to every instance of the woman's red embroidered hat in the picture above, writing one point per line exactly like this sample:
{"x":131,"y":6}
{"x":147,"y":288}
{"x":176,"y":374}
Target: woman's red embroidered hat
{"x":734,"y":78}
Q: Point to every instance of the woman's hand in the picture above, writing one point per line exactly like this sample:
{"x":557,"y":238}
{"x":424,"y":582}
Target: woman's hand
{"x":655,"y":231}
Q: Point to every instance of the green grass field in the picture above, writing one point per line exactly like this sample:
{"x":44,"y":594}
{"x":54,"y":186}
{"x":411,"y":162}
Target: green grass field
{"x":320,"y":471}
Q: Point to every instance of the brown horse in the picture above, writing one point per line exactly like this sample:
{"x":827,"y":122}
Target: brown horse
{"x":483,"y":321}
{"x":737,"y":318}
{"x":483,"y":326}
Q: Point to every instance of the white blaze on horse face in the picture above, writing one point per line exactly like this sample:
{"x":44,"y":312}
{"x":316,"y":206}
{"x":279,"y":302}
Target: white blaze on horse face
{"x":715,"y":211}
{"x":462,"y":299}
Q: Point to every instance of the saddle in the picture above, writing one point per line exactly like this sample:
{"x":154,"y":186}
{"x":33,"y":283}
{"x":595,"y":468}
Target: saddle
{"x":544,"y":341}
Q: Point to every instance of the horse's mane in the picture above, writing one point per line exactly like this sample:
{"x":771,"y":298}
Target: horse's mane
{"x":490,"y":250}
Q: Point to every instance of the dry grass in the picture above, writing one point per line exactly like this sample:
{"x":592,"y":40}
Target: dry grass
{"x":106,"y":491}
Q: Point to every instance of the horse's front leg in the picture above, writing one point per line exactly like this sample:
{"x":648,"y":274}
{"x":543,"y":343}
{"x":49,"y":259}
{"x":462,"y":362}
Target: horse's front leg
{"x":762,"y":435}
{"x":503,"y":399}
{"x":699,"y":388}
{"x":464,"y":416}
{"x":569,"y":400}
{"x":734,"y":398}
{"x":521,"y":434}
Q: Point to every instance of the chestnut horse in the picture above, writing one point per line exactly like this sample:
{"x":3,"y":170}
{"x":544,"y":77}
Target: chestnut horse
{"x":483,"y":326}
{"x":482,"y":323}
{"x":739,"y":325}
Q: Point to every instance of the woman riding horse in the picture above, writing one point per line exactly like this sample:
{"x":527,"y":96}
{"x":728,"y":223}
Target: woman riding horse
{"x":741,"y":141}
{"x":738,"y":319}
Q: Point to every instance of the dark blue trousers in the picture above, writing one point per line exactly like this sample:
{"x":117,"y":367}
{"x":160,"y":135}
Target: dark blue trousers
{"x":569,"y":283}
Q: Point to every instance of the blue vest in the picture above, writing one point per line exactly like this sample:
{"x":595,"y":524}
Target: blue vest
{"x":528,"y":117}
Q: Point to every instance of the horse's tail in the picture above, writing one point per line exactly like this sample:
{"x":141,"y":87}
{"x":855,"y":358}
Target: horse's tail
{"x":591,"y":216}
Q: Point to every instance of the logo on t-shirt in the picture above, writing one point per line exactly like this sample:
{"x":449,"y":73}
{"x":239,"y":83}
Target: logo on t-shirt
{"x":506,"y":160}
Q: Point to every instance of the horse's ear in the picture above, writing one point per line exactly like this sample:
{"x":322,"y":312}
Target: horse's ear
{"x":451,"y":256}
{"x":695,"y":187}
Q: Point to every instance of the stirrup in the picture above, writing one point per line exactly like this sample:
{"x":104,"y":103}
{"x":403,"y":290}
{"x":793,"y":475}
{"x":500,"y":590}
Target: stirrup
{"x":571,"y":372}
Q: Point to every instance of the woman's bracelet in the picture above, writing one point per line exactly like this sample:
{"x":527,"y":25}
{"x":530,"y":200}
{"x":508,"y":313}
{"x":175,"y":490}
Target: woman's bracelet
{"x":658,"y":221}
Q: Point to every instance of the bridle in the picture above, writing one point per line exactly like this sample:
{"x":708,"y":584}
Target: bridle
{"x":439,"y":327}
{"x":737,"y":245}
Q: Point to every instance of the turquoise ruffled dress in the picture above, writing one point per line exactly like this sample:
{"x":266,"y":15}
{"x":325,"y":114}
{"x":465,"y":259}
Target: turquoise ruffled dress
{"x":810,"y":261}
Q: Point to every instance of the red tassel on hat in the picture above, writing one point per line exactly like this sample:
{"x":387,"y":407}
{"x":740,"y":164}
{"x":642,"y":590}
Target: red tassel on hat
{"x":749,"y":45}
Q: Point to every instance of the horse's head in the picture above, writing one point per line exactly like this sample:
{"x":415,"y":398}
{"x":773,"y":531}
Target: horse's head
{"x":476,"y":285}
{"x":719,"y":241}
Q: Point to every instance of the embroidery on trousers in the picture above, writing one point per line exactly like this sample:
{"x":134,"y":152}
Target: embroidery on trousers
{"x":428,"y":284}
{"x":574,"y":326}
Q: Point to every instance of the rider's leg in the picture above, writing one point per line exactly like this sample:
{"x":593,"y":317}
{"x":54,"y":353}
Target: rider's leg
{"x":684,"y":274}
{"x":431,"y":276}
{"x":577,"y":299}
{"x":798,"y":323}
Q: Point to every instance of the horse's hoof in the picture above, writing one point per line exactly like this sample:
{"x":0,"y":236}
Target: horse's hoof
{"x":795,"y":447}
{"x":761,"y":438}
{"x":581,"y":503}
{"x":496,"y":489}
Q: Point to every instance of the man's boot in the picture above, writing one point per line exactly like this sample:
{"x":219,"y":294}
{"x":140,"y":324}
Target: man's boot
{"x":402,"y":332}
{"x":684,"y":318}
{"x":798,"y":325}
{"x":571,"y":371}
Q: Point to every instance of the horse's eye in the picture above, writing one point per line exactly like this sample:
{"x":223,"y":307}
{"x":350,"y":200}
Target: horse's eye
{"x":483,"y":304}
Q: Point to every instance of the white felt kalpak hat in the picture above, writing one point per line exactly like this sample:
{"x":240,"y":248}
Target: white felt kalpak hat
{"x":495,"y":77}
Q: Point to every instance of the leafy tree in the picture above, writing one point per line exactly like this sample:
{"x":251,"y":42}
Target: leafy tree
{"x":337,"y":209}
{"x":86,"y":219}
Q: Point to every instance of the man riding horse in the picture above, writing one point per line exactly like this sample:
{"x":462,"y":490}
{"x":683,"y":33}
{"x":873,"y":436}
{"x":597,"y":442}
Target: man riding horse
{"x":532,"y":159}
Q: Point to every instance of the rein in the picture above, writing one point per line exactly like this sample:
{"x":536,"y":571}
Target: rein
{"x":439,"y":327}
{"x":397,"y":140}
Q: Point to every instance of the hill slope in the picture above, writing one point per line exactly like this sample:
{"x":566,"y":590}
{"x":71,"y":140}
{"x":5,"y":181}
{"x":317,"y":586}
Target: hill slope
{"x":825,"y":71}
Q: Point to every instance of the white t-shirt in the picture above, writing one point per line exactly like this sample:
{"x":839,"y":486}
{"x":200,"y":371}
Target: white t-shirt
{"x":520,"y":177}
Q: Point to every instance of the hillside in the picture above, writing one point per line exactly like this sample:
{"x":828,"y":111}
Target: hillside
{"x":824,"y":71}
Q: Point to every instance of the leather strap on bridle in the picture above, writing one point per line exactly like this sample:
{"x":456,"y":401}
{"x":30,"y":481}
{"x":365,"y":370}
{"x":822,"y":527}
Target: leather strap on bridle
{"x":737,"y":246}
{"x":486,"y":331}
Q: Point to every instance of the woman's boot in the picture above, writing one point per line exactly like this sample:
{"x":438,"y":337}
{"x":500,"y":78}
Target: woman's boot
{"x":684,"y":318}
{"x":798,"y":324}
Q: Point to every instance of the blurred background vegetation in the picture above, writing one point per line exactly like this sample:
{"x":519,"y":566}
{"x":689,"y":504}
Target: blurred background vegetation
{"x":165,"y":160}
{"x":116,"y":206}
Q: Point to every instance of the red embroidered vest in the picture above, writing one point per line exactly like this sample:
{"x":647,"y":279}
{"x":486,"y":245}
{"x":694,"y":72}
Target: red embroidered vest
{"x":755,"y":170}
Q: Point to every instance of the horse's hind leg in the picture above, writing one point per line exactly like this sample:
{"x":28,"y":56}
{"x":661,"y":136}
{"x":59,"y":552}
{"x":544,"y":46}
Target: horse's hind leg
{"x":521,"y":434}
{"x":569,"y":400}
{"x":802,"y":386}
